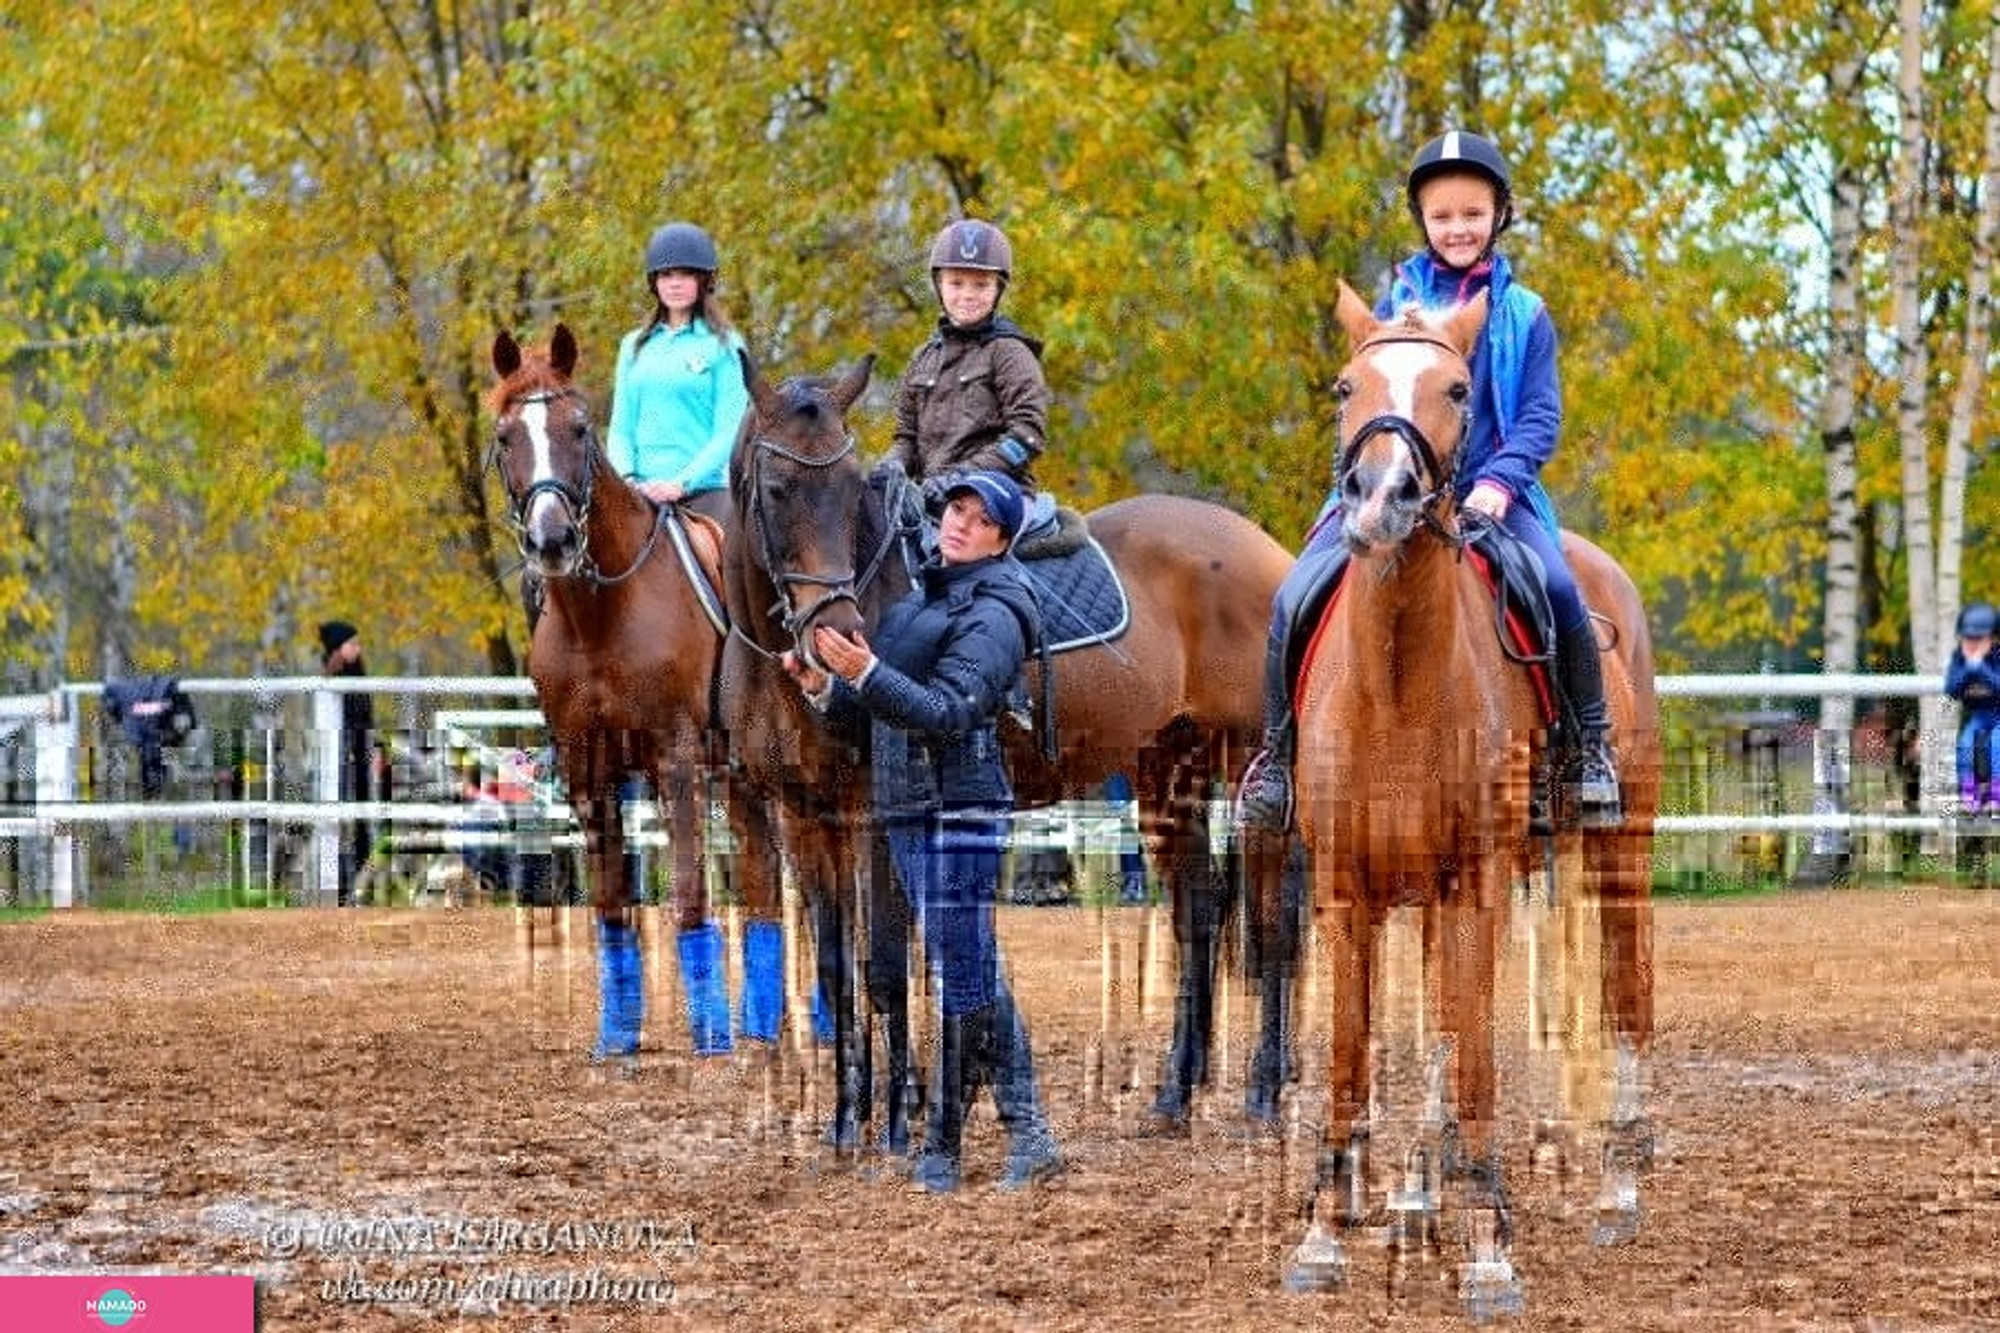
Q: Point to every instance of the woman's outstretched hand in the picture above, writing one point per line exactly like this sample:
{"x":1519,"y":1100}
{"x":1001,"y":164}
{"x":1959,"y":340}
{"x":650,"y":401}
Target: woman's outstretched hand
{"x":845,"y":657}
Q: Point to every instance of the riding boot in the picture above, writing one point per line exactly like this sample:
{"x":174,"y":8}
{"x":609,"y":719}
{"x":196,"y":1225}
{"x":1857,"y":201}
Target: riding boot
{"x":937,"y":1167}
{"x":1597,"y":800}
{"x":1264,"y":799}
{"x":1009,"y":1061}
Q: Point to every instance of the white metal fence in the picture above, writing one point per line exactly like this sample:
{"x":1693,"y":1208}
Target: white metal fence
{"x":58,"y":749}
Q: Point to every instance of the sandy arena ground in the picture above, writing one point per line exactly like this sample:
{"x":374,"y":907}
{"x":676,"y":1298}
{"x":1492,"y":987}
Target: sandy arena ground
{"x":360,"y":1105}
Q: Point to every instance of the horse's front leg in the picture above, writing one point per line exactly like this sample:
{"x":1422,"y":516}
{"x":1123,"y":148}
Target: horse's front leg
{"x":754,"y":875}
{"x":889,"y":929}
{"x":1469,"y":929}
{"x":1626,"y":924}
{"x":593,"y":783}
{"x":1336,"y":1202}
{"x":827,"y":881}
{"x":698,"y":937}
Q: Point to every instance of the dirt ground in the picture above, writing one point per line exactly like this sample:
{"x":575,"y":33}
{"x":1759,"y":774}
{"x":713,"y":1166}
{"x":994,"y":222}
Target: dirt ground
{"x":389,"y":1119}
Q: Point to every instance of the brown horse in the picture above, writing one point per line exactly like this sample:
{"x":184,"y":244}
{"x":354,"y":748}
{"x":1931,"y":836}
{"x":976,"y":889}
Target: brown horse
{"x":1418,"y":743}
{"x":622,"y":658}
{"x":1173,"y":702}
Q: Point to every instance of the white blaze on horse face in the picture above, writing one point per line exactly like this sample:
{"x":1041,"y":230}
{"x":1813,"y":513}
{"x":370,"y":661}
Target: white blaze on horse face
{"x":1401,"y":366}
{"x":535,"y":420}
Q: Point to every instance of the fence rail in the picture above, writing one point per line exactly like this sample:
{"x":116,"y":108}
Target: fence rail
{"x":56,"y":814}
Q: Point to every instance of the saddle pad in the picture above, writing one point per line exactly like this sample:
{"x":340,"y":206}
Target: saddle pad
{"x":1520,"y":635}
{"x":1082,"y":601}
{"x":697,"y":540}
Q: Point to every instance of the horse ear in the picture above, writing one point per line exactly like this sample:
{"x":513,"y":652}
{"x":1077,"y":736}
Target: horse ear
{"x":562,"y":350}
{"x":1465,"y":323}
{"x":853,"y":382}
{"x":1354,"y":315}
{"x":506,"y":354}
{"x":762,"y":395}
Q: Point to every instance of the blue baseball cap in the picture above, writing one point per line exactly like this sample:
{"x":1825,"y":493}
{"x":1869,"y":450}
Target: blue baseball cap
{"x":1001,"y":495}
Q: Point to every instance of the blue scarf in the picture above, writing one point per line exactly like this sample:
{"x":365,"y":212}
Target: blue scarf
{"x":1422,"y":281}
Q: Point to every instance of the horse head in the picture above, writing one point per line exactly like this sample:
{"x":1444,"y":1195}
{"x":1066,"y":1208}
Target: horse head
{"x":545,"y":450}
{"x":1404,"y":405}
{"x":801,"y":491}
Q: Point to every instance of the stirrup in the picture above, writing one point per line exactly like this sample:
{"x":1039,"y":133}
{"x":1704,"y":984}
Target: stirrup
{"x":1265,"y":798}
{"x":1599,"y":804}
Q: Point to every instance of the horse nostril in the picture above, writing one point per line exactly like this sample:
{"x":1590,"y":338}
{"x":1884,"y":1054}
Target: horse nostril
{"x":1406,"y":489}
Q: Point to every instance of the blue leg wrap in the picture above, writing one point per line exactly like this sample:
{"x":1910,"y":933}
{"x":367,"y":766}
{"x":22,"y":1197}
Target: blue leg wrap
{"x":763,"y":980}
{"x":707,"y":986}
{"x":823,"y":1032}
{"x":622,"y":990}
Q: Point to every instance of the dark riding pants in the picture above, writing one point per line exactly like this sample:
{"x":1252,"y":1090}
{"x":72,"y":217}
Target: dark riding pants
{"x":949,"y":867}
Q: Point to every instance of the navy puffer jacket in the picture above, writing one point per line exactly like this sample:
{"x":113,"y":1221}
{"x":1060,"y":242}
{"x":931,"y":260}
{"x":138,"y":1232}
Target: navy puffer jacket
{"x":946,"y":657}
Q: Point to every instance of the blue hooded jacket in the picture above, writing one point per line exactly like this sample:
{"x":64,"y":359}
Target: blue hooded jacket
{"x":946,"y":657}
{"x":1516,"y":399}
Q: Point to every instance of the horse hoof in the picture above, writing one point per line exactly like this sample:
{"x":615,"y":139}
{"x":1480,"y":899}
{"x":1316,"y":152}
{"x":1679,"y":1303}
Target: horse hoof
{"x":1490,"y":1291}
{"x":1616,"y":1226}
{"x":1317,"y":1266}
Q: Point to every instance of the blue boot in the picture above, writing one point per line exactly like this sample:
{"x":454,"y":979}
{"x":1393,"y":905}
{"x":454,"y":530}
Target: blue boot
{"x":763,"y":980}
{"x":621,"y":983}
{"x":707,"y":986}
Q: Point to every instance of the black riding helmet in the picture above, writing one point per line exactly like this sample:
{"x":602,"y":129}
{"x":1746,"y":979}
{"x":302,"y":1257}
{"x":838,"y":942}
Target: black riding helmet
{"x":679,"y":245}
{"x":1456,"y":150}
{"x":973,"y":243}
{"x":1976,"y":620}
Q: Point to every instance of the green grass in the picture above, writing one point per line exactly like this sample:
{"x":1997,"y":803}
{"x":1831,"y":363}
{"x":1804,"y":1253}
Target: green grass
{"x":200,"y":900}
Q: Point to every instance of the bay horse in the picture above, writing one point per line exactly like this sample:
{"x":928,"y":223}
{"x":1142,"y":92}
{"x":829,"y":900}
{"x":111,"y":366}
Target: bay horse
{"x":1418,"y":741}
{"x":623,"y":658}
{"x":1172,"y":702}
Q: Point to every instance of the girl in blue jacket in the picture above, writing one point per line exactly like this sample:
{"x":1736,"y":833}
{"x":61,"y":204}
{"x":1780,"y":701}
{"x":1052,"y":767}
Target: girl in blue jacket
{"x":1460,"y":194}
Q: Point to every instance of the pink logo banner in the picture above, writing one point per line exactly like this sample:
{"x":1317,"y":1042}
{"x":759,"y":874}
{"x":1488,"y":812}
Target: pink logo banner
{"x":144,"y":1303}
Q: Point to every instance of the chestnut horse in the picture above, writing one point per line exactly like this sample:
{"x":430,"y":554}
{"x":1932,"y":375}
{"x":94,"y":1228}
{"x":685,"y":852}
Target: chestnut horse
{"x":1173,"y":702}
{"x":622,"y":658}
{"x":1418,"y":742}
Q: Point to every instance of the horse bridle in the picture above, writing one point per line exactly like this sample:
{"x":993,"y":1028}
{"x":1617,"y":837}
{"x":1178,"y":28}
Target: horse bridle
{"x":576,"y":498}
{"x":1411,"y":434}
{"x":841,"y":587}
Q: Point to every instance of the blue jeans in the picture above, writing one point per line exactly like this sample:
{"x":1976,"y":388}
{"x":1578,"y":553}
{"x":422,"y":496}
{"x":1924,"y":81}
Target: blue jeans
{"x":1975,"y":730}
{"x":949,"y":867}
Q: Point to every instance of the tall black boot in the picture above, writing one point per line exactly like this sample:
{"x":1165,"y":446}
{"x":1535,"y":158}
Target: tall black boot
{"x":937,"y":1167}
{"x":1597,"y":800}
{"x":1032,"y":1153}
{"x":1264,"y":798}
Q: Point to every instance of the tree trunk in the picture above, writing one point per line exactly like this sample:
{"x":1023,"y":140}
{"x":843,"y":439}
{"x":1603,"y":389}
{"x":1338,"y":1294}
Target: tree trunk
{"x":1912,"y":368}
{"x":1831,"y":859}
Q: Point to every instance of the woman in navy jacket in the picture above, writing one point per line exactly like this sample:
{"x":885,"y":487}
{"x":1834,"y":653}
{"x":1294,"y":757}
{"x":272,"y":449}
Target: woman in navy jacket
{"x":933,"y":687}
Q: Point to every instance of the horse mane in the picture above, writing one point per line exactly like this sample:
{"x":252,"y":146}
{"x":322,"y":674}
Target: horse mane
{"x":537,"y":374}
{"x":1416,"y":318}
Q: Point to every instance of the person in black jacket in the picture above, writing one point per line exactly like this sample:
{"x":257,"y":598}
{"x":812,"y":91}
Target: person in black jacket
{"x":340,"y":655}
{"x":933,"y":686}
